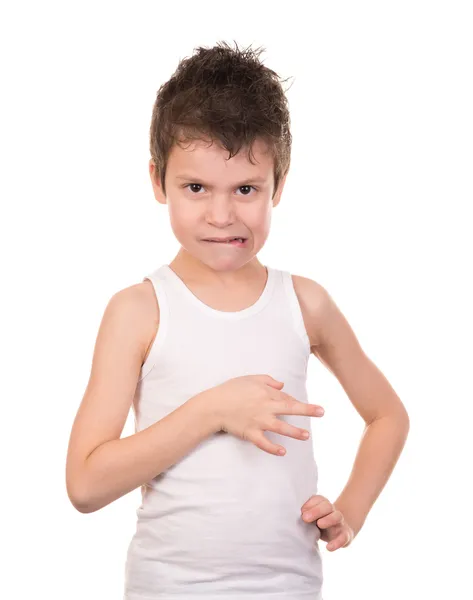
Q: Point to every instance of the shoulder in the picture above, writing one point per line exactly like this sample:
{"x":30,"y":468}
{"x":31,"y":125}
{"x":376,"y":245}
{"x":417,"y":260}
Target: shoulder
{"x":135,"y":309}
{"x":135,"y":300}
{"x":314,"y":301}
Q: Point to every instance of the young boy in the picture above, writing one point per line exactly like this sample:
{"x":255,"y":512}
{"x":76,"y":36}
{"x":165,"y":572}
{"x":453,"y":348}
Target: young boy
{"x":211,"y":350}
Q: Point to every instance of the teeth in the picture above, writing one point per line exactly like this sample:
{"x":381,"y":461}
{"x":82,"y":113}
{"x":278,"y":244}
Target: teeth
{"x":227,"y":241}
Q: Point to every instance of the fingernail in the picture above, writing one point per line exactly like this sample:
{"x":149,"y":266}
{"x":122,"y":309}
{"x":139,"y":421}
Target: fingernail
{"x":319,"y":410}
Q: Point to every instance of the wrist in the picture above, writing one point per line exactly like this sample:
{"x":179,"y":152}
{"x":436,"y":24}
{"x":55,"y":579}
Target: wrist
{"x":206,"y":407}
{"x":355,"y":519}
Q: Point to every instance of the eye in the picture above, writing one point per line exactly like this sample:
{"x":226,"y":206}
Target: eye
{"x":247,"y":187}
{"x":199,"y":185}
{"x":193,"y":184}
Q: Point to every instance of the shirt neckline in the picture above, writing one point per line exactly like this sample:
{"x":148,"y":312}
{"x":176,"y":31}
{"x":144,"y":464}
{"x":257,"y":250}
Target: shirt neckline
{"x":224,"y":314}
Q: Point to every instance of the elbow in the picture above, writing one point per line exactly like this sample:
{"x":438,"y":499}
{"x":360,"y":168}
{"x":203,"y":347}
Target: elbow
{"x":398,"y":417}
{"x":408,"y":422}
{"x":407,"y":425}
{"x":79,"y":502}
{"x":404,"y":418}
{"x":79,"y":498}
{"x":77,"y":489}
{"x":83,"y":507}
{"x":401,"y":422}
{"x":85,"y":503}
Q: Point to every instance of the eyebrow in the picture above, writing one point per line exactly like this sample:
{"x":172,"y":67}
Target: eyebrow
{"x":195,"y":178}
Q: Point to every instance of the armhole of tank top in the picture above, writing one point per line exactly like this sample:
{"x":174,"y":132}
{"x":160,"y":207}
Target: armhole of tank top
{"x":157,"y":344}
{"x":295,"y":309}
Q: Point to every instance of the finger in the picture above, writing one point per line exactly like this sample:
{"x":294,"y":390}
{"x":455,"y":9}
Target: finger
{"x":312,"y":499}
{"x":318,"y":510}
{"x":261,"y":441}
{"x":283,"y":428}
{"x":288,"y":405}
{"x":339,"y":542}
{"x":313,"y":502}
{"x":334,"y":518}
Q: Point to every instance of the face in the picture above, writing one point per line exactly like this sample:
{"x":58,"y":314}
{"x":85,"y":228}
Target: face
{"x":209,"y":196}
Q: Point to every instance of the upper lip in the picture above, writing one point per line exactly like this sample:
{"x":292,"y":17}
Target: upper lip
{"x":224,"y":239}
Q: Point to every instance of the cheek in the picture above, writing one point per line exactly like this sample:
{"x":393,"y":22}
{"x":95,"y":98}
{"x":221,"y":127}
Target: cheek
{"x":259,"y":221}
{"x":182,"y":216}
{"x":257,"y":216}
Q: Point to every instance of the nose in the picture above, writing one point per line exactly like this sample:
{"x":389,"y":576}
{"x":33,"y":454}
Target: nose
{"x":220,"y":212}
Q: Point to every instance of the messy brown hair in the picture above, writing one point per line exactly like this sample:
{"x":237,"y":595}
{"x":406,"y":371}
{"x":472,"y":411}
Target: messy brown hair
{"x":225,"y":95}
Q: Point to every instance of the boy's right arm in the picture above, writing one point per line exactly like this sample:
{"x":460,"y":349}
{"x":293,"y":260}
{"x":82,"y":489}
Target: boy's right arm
{"x":101,"y":467}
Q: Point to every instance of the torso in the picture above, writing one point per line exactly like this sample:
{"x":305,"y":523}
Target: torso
{"x":303,"y":287}
{"x":189,"y":513}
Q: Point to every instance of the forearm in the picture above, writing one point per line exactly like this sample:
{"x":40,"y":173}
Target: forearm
{"x":379,"y":450}
{"x":119,"y":466}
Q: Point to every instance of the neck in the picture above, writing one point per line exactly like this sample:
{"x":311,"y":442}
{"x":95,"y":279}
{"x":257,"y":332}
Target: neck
{"x":191,"y":268}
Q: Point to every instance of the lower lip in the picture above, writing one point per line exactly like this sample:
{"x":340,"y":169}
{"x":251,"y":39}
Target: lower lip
{"x":233,"y":243}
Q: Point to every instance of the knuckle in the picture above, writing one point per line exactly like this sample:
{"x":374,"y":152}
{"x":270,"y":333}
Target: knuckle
{"x":258,"y":439}
{"x":246,"y":436}
{"x":275,"y":425}
{"x":288,"y":398}
{"x":287,"y":405}
{"x":258,"y":392}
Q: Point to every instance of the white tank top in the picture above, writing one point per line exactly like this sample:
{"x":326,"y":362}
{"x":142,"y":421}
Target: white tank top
{"x":224,"y":523}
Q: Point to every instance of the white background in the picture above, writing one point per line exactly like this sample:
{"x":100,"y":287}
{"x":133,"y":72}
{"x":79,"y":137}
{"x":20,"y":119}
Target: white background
{"x":376,"y":208}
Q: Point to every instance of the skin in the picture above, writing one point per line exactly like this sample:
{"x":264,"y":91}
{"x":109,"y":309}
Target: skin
{"x":217,"y":207}
{"x":331,"y":522}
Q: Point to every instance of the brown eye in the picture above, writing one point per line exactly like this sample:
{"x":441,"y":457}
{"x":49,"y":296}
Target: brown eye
{"x":193,"y":184}
{"x":192,"y":187}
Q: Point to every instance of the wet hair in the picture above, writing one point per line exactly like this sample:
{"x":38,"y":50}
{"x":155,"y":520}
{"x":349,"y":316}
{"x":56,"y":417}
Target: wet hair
{"x":225,"y":95}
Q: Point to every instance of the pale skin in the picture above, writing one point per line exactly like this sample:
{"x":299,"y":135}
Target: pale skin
{"x":386,"y":420}
{"x":221,"y":269}
{"x":203,"y":199}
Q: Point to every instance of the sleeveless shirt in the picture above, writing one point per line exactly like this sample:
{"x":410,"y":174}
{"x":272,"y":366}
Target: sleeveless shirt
{"x":224,"y":522}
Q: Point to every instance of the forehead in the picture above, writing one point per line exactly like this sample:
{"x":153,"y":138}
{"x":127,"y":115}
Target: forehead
{"x":210,"y":159}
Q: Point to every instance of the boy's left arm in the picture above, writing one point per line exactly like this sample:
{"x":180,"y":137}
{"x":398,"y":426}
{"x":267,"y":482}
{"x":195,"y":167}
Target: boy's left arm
{"x":387,"y":422}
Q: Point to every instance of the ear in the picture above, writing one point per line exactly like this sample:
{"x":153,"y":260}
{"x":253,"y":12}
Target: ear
{"x":156,"y":183}
{"x":277,"y":195}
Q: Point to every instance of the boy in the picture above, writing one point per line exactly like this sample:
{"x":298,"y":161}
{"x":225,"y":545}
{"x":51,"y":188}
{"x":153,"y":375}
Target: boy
{"x":203,"y":347}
